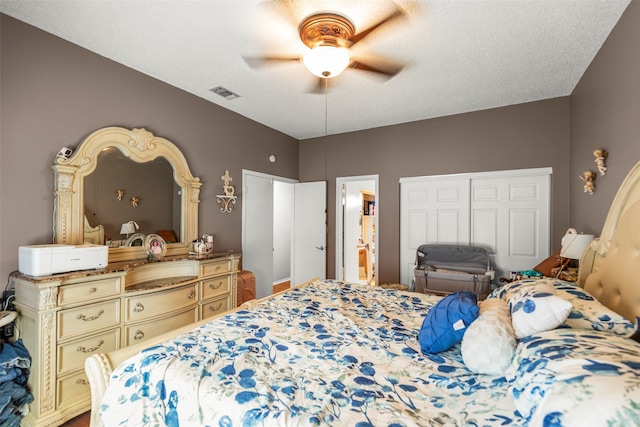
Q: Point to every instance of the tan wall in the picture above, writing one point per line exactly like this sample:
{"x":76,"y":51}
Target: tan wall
{"x":605,"y":113}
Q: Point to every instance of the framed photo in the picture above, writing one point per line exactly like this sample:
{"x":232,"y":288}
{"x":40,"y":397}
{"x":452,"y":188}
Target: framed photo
{"x":155,"y":246}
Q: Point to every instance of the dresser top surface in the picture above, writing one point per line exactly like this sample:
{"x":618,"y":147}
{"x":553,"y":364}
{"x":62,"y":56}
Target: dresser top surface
{"x":122,"y":266}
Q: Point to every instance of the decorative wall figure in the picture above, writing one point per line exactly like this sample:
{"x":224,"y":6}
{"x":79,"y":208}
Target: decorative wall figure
{"x":135,"y":201}
{"x":600,"y":156}
{"x":119,"y":194}
{"x":589,"y":177}
{"x":228,"y":189}
{"x":227,"y":199}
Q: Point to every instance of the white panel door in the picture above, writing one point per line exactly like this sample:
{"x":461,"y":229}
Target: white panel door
{"x":310,"y":231}
{"x":510,"y":217}
{"x":434,"y":211}
{"x":257,"y":247}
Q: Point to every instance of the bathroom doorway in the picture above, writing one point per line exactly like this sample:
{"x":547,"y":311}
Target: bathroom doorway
{"x":357,"y":209}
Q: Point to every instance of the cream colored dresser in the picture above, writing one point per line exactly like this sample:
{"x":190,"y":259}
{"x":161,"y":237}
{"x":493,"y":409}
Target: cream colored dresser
{"x":67,"y":317}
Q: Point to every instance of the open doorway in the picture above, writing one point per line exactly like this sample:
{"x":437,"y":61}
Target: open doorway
{"x":283,"y":231}
{"x":357,"y":208}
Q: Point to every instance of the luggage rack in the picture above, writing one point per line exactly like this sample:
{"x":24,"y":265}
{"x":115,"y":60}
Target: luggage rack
{"x":443,"y":269}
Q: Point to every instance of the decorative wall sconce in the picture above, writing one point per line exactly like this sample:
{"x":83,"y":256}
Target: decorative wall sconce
{"x":135,"y":201}
{"x":119,"y":194}
{"x":600,"y":156}
{"x":589,"y":177}
{"x":227,"y":199}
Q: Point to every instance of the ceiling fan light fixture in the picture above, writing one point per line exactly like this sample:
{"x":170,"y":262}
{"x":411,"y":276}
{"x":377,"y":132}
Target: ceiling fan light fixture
{"x":327,"y":61}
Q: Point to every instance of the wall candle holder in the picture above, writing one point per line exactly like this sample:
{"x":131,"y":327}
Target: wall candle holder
{"x":227,"y":199}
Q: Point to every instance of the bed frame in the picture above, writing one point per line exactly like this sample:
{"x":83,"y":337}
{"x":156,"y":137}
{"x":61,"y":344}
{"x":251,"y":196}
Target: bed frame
{"x":607,"y":271}
{"x":609,"y":267}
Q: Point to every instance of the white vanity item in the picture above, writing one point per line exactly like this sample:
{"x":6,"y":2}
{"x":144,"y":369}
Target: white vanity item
{"x":45,"y":260}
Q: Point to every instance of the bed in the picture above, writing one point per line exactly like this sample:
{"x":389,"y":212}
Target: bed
{"x":342,"y":354}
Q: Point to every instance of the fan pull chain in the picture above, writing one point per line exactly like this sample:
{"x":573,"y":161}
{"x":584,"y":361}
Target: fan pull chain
{"x":326,"y":108}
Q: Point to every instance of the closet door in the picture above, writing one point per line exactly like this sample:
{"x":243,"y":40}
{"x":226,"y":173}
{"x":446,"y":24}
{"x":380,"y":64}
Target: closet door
{"x":507,"y":212}
{"x":432,"y":210}
{"x":510,"y":216}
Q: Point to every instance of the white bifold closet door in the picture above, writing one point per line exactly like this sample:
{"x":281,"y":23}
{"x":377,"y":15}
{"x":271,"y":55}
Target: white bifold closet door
{"x":507,"y":212}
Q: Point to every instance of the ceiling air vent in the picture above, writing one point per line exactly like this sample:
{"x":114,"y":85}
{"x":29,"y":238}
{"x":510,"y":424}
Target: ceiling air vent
{"x":224,"y":92}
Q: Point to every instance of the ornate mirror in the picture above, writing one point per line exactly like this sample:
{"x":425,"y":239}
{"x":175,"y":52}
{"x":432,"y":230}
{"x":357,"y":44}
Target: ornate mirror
{"x":74,"y":181}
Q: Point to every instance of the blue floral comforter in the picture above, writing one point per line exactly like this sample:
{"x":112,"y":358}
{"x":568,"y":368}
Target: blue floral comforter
{"x":329,"y":353}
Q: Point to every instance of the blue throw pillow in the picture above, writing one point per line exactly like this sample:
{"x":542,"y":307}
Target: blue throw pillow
{"x":445,"y":324}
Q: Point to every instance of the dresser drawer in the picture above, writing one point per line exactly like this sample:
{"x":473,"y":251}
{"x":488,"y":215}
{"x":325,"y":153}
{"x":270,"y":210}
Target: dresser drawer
{"x":216,"y":286}
{"x":72,"y":387}
{"x":215,"y":306}
{"x":71,"y":356}
{"x":217,"y":267}
{"x":88,"y":318}
{"x":145,"y":306}
{"x":87,"y":291}
{"x":142,"y":331}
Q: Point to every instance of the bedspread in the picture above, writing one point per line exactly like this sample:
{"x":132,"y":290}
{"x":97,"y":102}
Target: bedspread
{"x":328,"y":353}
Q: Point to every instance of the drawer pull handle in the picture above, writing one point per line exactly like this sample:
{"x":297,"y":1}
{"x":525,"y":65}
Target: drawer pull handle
{"x":82,"y":381}
{"x":81,"y":349}
{"x":216,"y":308}
{"x":90,"y":318}
{"x":92,"y":290}
{"x":192,"y":294}
{"x":139,"y":335}
{"x":138,"y":307}
{"x":215,"y":286}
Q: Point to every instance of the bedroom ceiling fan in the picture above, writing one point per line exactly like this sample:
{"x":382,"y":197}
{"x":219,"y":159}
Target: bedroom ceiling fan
{"x":329,"y":37}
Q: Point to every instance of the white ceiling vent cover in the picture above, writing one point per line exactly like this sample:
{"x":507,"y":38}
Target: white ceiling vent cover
{"x":224,"y":92}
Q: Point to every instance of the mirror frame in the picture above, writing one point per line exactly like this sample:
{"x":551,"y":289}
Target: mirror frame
{"x":140,"y":146}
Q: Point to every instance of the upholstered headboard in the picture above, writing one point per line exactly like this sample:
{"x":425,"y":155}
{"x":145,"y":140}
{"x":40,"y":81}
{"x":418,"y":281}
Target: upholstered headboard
{"x":610,"y":267}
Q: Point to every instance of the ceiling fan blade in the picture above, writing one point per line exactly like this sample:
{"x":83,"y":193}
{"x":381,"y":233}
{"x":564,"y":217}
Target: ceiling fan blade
{"x":260,"y":61}
{"x":387,"y":71}
{"x":398,"y":13}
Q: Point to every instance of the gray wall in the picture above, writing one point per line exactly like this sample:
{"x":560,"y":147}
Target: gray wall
{"x":54,"y":94}
{"x":605,"y":113}
{"x":521,"y":136}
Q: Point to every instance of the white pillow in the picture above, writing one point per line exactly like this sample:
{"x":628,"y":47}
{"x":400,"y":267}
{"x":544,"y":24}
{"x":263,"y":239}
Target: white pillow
{"x":536,"y":309}
{"x":489,"y":343}
{"x":587,"y":312}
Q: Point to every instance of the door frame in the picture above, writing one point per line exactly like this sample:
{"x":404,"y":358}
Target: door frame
{"x":339,"y":272}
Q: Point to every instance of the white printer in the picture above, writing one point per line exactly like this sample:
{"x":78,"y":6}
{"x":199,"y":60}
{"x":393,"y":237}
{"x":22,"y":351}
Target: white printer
{"x":44,"y":260}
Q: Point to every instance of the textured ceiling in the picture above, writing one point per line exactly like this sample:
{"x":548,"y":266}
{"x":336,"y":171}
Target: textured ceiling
{"x":459,"y":55}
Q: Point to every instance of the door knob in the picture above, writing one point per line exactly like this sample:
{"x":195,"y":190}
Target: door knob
{"x":320,"y":248}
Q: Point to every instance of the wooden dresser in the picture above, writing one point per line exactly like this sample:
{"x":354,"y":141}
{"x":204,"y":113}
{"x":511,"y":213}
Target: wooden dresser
{"x":65,"y":318}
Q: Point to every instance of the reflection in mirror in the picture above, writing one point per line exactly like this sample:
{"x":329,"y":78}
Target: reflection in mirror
{"x":116,"y":179}
{"x":77,"y":221}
